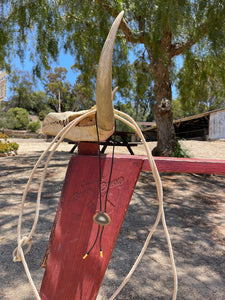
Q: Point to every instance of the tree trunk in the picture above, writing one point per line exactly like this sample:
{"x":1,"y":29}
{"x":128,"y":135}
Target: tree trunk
{"x":162,"y":110}
{"x":59,"y":103}
{"x":136,"y":109}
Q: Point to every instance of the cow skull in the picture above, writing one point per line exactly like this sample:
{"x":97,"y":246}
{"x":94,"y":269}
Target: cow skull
{"x":86,"y":129}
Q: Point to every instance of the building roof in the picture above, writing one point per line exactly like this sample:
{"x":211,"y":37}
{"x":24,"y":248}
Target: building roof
{"x":196,"y":126}
{"x":205,"y":114}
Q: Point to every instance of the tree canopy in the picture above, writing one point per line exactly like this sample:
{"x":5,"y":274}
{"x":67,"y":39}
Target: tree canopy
{"x":201,"y":83}
{"x":25,"y":94}
{"x":57,"y":87}
{"x":155,"y":31}
{"x":29,"y":24}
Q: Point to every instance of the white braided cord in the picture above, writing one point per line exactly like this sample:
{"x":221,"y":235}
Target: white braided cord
{"x":18,"y":254}
{"x":160,"y":214}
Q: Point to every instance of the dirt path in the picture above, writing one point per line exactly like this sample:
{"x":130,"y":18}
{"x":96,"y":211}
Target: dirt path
{"x":195,"y":213}
{"x":195,"y":149}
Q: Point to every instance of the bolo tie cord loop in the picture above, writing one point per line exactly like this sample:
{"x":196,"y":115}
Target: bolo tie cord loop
{"x":110,"y":174}
{"x":88,"y":252}
{"x":107,"y":191}
{"x":99,"y":164}
{"x":100,"y":188}
{"x":100,"y":241}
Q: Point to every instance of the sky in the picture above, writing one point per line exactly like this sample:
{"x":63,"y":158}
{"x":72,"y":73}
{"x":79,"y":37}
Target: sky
{"x":65,"y":60}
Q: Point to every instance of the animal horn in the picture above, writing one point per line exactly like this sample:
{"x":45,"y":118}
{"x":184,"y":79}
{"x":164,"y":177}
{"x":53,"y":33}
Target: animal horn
{"x":104,"y":97}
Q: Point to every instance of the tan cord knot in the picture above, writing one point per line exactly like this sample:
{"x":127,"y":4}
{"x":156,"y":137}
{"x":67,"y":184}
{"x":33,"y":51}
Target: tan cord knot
{"x":18,"y":249}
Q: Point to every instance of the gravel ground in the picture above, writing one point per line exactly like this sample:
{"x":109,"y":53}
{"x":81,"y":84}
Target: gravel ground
{"x":195,"y":149}
{"x":195,"y":212}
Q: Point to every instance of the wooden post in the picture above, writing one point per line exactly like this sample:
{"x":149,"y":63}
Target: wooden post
{"x":68,"y":276}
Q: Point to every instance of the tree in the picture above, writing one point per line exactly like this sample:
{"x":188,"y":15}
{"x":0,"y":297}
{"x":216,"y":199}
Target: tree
{"x":143,"y":95}
{"x":24,"y":96}
{"x":21,"y":86}
{"x":128,"y":109}
{"x":157,"y":31}
{"x":56,"y":87}
{"x":63,"y":96}
{"x":33,"y":24}
{"x":178,"y":112}
{"x":201,"y":82}
{"x":82,"y":94}
{"x":38,"y":101}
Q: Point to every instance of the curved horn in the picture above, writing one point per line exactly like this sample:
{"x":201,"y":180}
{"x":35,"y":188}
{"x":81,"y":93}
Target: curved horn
{"x":104,"y":101}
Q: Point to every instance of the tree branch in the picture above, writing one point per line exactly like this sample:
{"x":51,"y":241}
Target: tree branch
{"x":130,"y":35}
{"x":178,"y":48}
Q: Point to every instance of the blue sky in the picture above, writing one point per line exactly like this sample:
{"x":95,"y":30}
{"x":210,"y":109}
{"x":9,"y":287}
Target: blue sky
{"x":65,"y":60}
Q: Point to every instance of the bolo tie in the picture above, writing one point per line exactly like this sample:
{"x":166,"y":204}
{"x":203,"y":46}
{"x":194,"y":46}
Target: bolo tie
{"x":101,"y":218}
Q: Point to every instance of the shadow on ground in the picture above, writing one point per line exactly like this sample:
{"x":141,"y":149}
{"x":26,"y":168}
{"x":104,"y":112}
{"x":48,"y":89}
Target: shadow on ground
{"x":195,"y":213}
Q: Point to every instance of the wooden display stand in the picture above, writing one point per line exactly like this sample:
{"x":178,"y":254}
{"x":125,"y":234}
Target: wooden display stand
{"x":68,"y":276}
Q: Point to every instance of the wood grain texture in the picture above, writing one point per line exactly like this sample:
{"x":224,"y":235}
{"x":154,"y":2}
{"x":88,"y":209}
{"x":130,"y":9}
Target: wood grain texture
{"x":187,"y":165}
{"x":181,"y":165}
{"x":68,"y":276}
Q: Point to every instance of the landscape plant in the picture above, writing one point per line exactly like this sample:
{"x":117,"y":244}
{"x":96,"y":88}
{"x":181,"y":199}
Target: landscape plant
{"x":6,"y":147}
{"x":18,"y":118}
{"x":34,"y":126}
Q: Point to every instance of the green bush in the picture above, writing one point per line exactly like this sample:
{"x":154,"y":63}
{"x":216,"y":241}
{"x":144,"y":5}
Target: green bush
{"x":13,"y":146}
{"x":18,"y":118}
{"x":34,"y":126}
{"x":4,"y":148}
{"x":3,"y":136}
{"x":7,"y":148}
{"x":179,"y":151}
{"x":42,"y":114}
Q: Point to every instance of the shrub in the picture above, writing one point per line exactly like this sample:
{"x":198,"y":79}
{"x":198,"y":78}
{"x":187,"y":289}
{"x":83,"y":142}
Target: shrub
{"x":34,"y":126}
{"x":3,"y":136}
{"x":13,"y":147}
{"x":4,"y":148}
{"x":7,"y":148}
{"x":18,"y":118}
{"x":42,"y":114}
{"x":179,"y":151}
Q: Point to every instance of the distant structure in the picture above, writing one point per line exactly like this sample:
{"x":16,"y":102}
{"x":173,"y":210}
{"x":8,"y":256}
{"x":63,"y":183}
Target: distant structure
{"x":3,"y":85}
{"x":205,"y":126}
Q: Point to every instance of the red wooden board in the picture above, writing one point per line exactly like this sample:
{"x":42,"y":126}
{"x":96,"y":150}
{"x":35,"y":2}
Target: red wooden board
{"x":182,"y":165}
{"x":68,"y":276}
{"x":187,"y":165}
